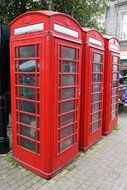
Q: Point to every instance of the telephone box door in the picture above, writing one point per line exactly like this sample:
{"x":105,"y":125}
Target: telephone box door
{"x":97,"y":64}
{"x":114,"y":88}
{"x":68,"y":60}
{"x":26,"y":99}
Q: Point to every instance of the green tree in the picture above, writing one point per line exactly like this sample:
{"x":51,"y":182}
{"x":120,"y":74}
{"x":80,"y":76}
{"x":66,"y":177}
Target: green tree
{"x":9,"y":9}
{"x":84,"y":11}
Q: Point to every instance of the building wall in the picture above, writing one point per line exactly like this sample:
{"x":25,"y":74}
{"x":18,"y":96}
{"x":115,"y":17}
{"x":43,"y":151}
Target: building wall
{"x":122,"y":11}
{"x":116,"y":25}
{"x":111,"y":19}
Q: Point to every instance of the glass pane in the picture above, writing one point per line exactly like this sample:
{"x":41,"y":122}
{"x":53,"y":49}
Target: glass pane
{"x":95,"y":126}
{"x":27,"y":93}
{"x":114,"y":107}
{"x":113,"y":115}
{"x":69,"y":53}
{"x":67,"y":118}
{"x":115,"y":84}
{"x":67,"y":106}
{"x":115,"y":68}
{"x":97,"y":77}
{"x":97,"y":67}
{"x":68,"y":93}
{"x":27,"y":106}
{"x":96,"y":107}
{"x":114,"y":91}
{"x":27,"y":79}
{"x":115,"y":76}
{"x":96,"y":97}
{"x":95,"y":117}
{"x":97,"y":58}
{"x":115,"y":60}
{"x":28,"y":119}
{"x":114,"y":99}
{"x":66,"y":143}
{"x":28,"y":132}
{"x":67,"y":131}
{"x":68,"y":66}
{"x":30,"y":145}
{"x":96,"y":87}
{"x":27,"y":65}
{"x":27,"y":51}
{"x":68,"y":80}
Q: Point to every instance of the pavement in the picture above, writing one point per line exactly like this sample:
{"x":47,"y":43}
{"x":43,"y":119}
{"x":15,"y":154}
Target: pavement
{"x":102,"y":167}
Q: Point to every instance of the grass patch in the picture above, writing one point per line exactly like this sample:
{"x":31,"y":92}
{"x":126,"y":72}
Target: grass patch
{"x":11,"y":160}
{"x":92,"y":148}
{"x":117,"y":128}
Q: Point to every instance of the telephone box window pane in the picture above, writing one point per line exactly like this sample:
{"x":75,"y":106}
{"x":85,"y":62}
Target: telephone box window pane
{"x":68,"y":80}
{"x":66,"y":143}
{"x":97,"y":58}
{"x":67,"y":131}
{"x":96,"y":107}
{"x":97,"y":77}
{"x":96,"y":87}
{"x":28,"y":119}
{"x":115,"y":76}
{"x":95,"y":117}
{"x":96,"y":97}
{"x":28,"y":132}
{"x":27,"y":51}
{"x":68,"y":93}
{"x":114,"y":91}
{"x":30,"y":145}
{"x":97,"y":67}
{"x":114,"y":99}
{"x":27,"y":65}
{"x":115,"y":68}
{"x":67,"y":106}
{"x":69,"y":53}
{"x":115,"y":60}
{"x":27,"y":79}
{"x":115,"y":84}
{"x":113,"y":115}
{"x":68,"y":67}
{"x":67,"y":118}
{"x":27,"y":93}
{"x":95,"y":126}
{"x":114,"y":107}
{"x":27,"y":106}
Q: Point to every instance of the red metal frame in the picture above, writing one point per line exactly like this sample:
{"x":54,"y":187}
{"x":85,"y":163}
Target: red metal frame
{"x":44,"y":63}
{"x":111,"y":84}
{"x":91,"y":88}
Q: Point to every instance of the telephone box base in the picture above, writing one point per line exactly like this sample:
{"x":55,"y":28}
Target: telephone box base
{"x":84,"y":149}
{"x":106,"y":133}
{"x":42,"y":174}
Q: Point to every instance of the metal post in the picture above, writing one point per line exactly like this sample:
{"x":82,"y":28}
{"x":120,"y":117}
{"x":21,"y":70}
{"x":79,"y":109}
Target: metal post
{"x":4,"y":81}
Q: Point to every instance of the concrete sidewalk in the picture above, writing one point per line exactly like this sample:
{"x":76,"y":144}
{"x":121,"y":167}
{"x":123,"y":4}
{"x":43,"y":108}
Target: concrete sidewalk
{"x":103,"y":167}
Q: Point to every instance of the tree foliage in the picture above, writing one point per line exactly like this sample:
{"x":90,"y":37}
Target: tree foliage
{"x":84,"y":11}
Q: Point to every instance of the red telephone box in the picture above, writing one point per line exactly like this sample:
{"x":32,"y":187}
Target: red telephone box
{"x":111,"y":84}
{"x":91,"y":88}
{"x":45,"y":79}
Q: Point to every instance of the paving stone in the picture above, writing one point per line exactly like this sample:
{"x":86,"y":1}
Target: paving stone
{"x":103,"y":168}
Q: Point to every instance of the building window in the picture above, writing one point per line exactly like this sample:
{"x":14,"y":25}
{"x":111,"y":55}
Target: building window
{"x":124,"y":26}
